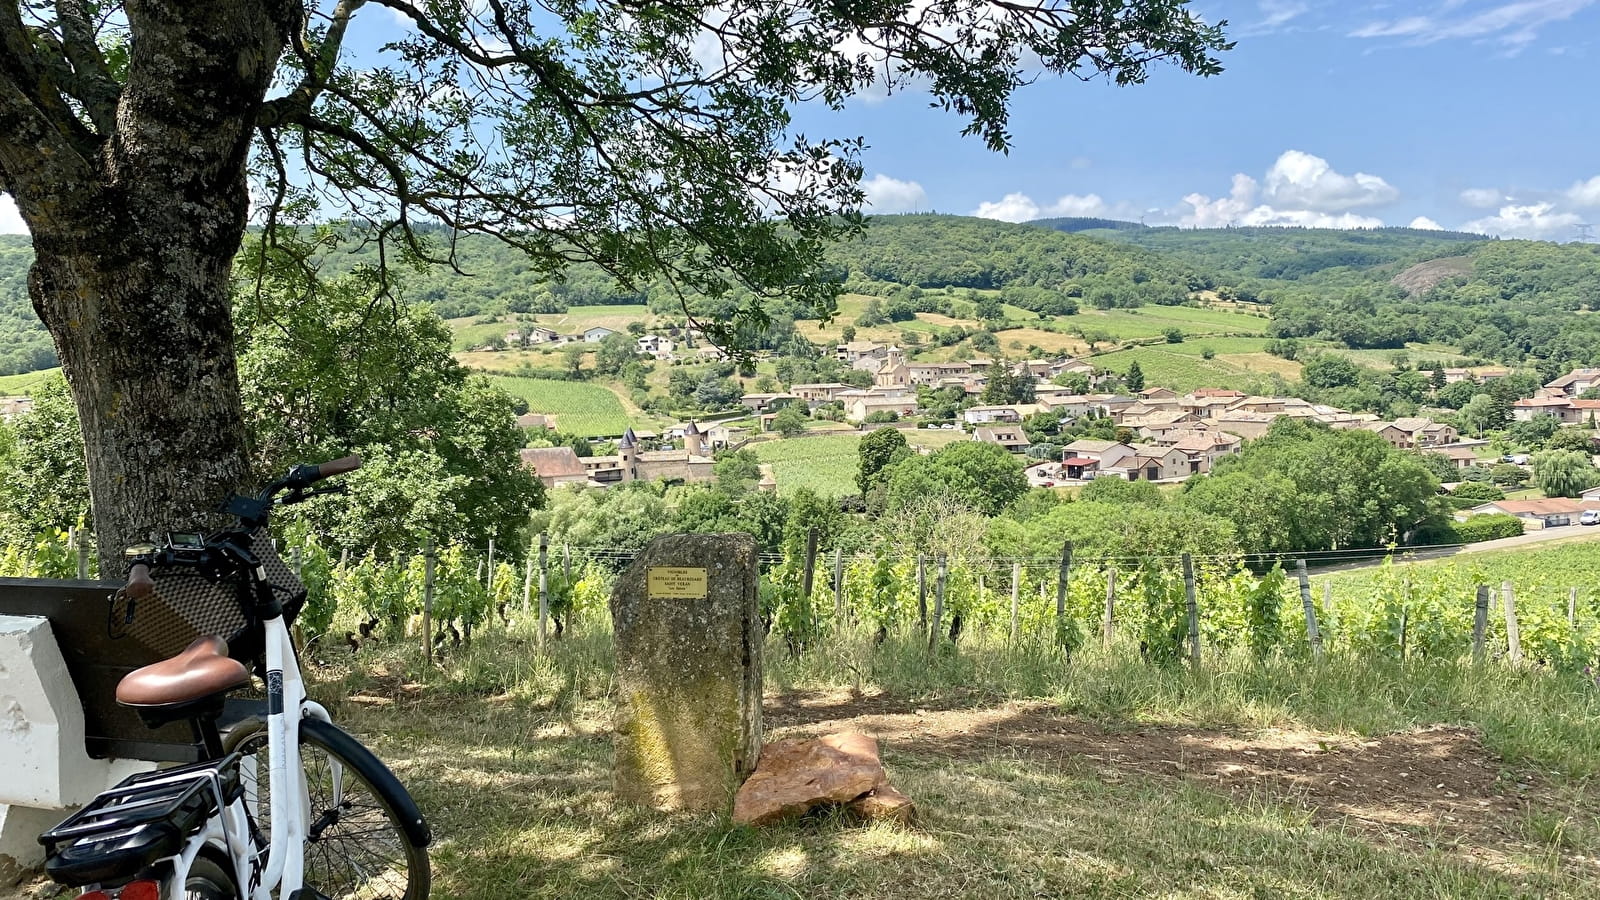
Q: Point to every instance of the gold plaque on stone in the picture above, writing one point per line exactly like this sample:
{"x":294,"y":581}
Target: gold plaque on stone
{"x":675,"y":583}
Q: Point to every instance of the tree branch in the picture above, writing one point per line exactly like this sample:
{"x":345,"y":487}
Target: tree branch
{"x":39,"y":135}
{"x":92,"y":84}
{"x":319,"y":66}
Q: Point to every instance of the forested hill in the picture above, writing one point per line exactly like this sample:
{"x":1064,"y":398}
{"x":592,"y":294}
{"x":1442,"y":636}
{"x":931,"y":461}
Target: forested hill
{"x":24,"y":344}
{"x":1509,"y":301}
{"x":1277,"y":253}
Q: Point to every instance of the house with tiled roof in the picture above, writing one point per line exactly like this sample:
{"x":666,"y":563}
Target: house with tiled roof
{"x":1574,"y":383}
{"x":1010,"y":437}
{"x":555,"y":465}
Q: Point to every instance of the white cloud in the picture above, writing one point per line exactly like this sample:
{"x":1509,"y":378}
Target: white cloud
{"x":1515,"y":24}
{"x":1398,"y":28}
{"x":1425,"y":224}
{"x":1016,"y":207}
{"x":10,"y":219}
{"x":891,"y":195}
{"x":1298,"y":179}
{"x":1277,"y":13}
{"x":1019,"y":207}
{"x":1535,"y":221}
{"x":1483,"y":198}
{"x":1585,"y":194}
{"x":1241,"y":208}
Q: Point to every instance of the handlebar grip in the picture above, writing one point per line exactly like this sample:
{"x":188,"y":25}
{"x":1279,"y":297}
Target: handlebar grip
{"x":140,"y":584}
{"x":339,"y":466}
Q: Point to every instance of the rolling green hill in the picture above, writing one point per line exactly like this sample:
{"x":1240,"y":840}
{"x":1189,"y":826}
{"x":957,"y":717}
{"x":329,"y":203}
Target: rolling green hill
{"x":1072,"y":285}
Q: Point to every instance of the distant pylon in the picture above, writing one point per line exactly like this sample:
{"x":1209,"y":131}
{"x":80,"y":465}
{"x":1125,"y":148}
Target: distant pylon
{"x":1585,"y":232}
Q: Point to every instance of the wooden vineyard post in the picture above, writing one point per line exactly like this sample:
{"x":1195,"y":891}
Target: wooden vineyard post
{"x":1016,"y":596}
{"x":1313,"y":633}
{"x":527,"y":585}
{"x":1405,"y":614}
{"x":808,"y":578}
{"x":81,"y":548}
{"x":938,"y":603}
{"x":1480,"y":622}
{"x":1061,"y":593}
{"x":1108,"y":624}
{"x":488,"y":583}
{"x":1513,"y":632}
{"x":544,"y":588}
{"x":429,"y":560}
{"x":1193,"y":610}
{"x":922,"y":591}
{"x":838,"y":586}
{"x":1572,"y":607}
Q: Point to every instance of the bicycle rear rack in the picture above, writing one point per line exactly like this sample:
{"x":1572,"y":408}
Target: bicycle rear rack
{"x":144,"y":818}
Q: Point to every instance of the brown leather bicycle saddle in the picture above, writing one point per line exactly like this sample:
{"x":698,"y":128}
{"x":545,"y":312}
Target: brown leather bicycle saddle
{"x":202,"y":669}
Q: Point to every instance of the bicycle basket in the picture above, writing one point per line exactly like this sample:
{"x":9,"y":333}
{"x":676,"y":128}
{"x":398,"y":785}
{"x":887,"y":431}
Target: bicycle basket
{"x":186,"y":604}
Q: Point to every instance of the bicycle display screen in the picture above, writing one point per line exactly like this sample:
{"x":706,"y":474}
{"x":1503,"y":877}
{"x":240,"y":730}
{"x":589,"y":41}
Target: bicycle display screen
{"x":184,"y":541}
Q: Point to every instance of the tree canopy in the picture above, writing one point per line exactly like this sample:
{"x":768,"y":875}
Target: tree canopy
{"x":649,"y":141}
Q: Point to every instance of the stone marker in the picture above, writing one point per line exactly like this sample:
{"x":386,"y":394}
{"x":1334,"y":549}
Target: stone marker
{"x":796,"y":776}
{"x":688,"y":644}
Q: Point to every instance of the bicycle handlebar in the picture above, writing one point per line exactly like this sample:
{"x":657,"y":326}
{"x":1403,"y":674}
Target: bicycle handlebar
{"x":339,"y":466}
{"x":140,"y":584}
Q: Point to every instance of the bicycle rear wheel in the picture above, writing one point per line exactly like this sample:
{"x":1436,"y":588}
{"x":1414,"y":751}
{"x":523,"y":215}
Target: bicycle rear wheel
{"x":361,"y":843}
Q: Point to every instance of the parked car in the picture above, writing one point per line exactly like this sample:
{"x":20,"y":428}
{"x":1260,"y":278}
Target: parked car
{"x":1590,"y":517}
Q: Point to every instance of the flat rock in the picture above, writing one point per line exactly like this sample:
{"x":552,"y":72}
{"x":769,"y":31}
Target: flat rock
{"x":795,"y":776}
{"x":884,"y":804}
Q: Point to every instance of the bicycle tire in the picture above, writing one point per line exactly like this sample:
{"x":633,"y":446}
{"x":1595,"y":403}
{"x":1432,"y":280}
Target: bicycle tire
{"x":386,"y":834}
{"x":210,"y":880}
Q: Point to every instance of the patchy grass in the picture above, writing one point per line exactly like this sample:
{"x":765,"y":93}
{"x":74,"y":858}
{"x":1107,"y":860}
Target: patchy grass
{"x":1123,"y":780}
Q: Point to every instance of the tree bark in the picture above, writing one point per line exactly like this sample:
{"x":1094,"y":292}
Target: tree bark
{"x":134,"y":236}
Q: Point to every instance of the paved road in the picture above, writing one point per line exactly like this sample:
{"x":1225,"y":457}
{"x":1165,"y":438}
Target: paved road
{"x":1562,"y":534}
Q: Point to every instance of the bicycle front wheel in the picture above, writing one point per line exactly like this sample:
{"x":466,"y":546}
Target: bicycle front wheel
{"x":365,"y":840}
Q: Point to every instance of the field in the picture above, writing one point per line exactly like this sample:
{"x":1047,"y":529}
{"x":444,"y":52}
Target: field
{"x":825,"y":464}
{"x":1153,"y":321}
{"x":1180,"y":366}
{"x":23,"y":383}
{"x":1384,"y":359}
{"x":580,"y":408}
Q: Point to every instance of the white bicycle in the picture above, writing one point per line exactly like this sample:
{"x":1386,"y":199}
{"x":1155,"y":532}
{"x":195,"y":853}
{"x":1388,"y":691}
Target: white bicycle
{"x":225,"y":828}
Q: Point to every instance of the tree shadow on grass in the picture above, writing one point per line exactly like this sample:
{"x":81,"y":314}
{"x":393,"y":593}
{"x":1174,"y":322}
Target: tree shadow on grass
{"x":523,"y":817}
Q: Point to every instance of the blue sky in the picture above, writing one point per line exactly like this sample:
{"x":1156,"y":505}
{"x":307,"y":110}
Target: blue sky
{"x":1460,"y":113}
{"x":1473,"y":114}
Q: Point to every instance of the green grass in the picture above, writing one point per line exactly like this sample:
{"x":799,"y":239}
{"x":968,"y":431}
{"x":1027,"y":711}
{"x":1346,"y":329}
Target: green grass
{"x":580,"y":408}
{"x":1153,"y":321}
{"x":12,"y":385}
{"x":1179,"y":366}
{"x":825,"y":464}
{"x":508,"y":753}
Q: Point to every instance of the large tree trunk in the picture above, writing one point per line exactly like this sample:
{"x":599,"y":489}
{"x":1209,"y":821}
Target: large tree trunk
{"x":134,"y":237}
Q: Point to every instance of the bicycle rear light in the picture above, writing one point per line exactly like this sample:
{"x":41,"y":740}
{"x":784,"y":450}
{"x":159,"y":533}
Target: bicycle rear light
{"x":140,"y":890}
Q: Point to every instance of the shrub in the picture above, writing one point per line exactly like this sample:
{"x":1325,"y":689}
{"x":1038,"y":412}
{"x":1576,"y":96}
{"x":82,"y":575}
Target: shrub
{"x":1477,"y":490}
{"x":1488,"y":528}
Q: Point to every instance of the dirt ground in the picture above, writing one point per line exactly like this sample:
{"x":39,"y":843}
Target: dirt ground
{"x":1436,"y":786}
